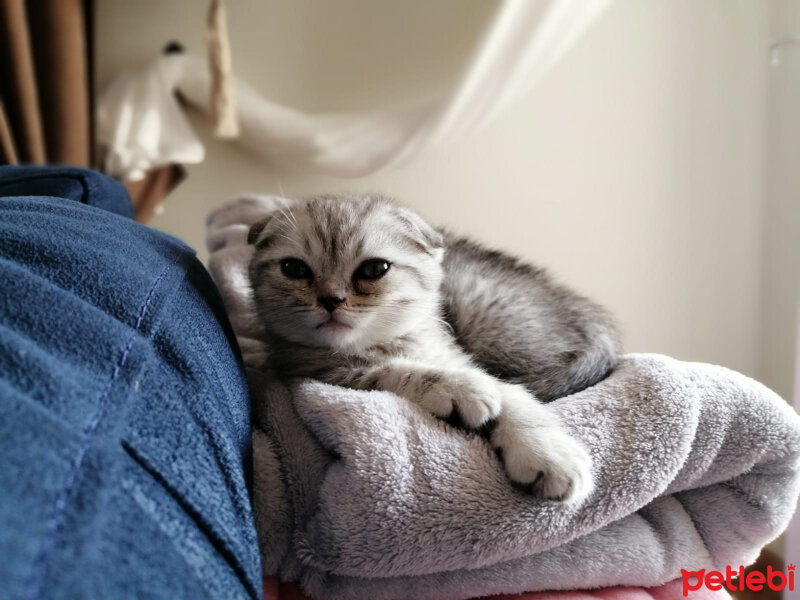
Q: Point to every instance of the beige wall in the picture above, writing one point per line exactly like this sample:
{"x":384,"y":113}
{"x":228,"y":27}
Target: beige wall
{"x":634,"y":170}
{"x":781,"y":273}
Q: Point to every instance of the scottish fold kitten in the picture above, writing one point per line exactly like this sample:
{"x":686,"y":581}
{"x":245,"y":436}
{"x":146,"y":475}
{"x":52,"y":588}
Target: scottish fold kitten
{"x":354,"y":291}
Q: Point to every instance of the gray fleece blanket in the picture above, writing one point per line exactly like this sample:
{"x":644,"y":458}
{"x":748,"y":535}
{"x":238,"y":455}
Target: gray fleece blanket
{"x":363,"y":495}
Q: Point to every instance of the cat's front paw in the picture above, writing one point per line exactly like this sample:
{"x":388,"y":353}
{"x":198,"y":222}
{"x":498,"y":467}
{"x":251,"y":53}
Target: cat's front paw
{"x":473,"y":395}
{"x":546,"y":462}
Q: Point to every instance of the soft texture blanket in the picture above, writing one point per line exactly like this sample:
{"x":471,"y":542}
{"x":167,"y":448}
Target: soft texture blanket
{"x":363,"y":495}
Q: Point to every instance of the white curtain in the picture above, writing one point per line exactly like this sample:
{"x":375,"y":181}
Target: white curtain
{"x":140,"y":125}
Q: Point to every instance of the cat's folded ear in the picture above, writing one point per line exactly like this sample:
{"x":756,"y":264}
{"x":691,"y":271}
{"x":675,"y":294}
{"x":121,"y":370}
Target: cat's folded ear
{"x":428,"y":239}
{"x":257,"y":228}
{"x":251,"y":208}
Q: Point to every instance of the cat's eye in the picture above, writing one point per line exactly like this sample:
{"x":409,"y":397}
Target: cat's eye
{"x":294,"y":268}
{"x":371,"y":269}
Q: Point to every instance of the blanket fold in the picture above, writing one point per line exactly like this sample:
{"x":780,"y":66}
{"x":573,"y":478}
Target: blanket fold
{"x":363,"y":495}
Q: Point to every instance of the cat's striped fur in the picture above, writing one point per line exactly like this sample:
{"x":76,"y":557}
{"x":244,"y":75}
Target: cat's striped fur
{"x":517,"y":335}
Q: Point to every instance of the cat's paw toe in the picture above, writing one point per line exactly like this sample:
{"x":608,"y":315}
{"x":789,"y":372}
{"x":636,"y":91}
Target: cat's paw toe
{"x":475,"y":398}
{"x":438,"y":400}
{"x":555,"y":469}
{"x":478,"y":409}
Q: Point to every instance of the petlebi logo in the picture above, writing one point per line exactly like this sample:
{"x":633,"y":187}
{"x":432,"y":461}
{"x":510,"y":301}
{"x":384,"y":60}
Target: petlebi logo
{"x":755,"y":581}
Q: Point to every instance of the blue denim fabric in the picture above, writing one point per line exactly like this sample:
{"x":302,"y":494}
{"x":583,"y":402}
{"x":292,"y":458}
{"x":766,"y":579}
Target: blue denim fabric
{"x":124,"y":411}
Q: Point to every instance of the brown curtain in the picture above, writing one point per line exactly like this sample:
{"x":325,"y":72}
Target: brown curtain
{"x":46,"y":96}
{"x":44,"y":82}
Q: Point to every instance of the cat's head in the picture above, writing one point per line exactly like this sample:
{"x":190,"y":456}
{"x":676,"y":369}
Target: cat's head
{"x":345,"y":272}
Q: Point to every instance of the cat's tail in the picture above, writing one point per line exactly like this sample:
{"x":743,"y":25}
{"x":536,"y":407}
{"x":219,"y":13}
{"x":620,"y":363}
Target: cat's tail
{"x":587,"y":353}
{"x":596,"y":358}
{"x":522,"y":327}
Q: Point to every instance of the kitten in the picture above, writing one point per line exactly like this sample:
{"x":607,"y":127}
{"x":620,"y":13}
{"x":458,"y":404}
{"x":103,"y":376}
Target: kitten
{"x":351,"y":288}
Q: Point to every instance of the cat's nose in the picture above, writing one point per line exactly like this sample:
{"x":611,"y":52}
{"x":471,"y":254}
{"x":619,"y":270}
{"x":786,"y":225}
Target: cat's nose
{"x":330,"y":302}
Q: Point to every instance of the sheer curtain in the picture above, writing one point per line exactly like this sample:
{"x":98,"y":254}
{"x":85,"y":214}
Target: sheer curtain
{"x":141,"y":124}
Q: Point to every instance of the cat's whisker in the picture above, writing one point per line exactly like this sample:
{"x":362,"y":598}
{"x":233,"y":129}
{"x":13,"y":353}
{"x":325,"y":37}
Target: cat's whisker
{"x":292,"y":219}
{"x":447,"y":325}
{"x":287,"y":215}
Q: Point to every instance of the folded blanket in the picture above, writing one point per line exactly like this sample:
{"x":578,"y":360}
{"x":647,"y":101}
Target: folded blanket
{"x":363,"y":495}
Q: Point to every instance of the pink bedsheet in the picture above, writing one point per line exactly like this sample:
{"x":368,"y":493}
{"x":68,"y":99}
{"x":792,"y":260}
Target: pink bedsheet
{"x":275,"y":590}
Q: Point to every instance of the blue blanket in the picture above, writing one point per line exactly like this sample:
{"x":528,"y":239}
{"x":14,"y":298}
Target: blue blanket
{"x":124,"y":414}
